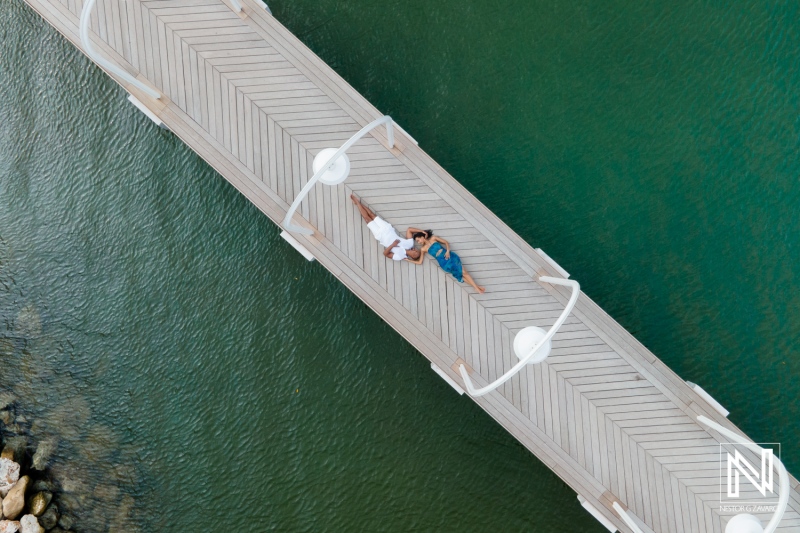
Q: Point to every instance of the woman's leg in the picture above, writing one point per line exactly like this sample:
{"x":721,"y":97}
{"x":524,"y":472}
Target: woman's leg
{"x":471,"y":281}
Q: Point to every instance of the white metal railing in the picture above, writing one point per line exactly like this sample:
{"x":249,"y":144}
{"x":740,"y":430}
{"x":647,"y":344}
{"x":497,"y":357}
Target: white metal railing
{"x":576,"y":290}
{"x":626,"y":518}
{"x":783,"y":499}
{"x":86,"y":14}
{"x":709,"y":399}
{"x":287,"y":221}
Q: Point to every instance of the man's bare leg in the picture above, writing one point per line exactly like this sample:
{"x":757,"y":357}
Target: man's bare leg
{"x":471,"y":281}
{"x":365,"y":211}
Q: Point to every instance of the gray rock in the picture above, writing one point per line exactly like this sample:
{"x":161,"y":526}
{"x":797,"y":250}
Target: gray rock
{"x":29,"y":524}
{"x":9,"y":474}
{"x":50,"y":518}
{"x":6,"y":417}
{"x":28,"y":322}
{"x":18,"y":445}
{"x":39,"y":503}
{"x":14,"y":501}
{"x":7,"y":526}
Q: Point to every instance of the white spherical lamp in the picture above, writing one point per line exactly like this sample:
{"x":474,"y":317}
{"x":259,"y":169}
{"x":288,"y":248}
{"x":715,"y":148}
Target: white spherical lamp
{"x":338,"y":172}
{"x":744,"y":523}
{"x":525,"y":341}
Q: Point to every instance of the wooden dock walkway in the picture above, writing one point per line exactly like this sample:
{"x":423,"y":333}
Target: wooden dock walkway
{"x":602,"y":411}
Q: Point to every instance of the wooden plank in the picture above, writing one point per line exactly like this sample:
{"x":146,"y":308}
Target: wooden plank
{"x":114,"y":22}
{"x":454,"y":329}
{"x":413,"y":291}
{"x":280,"y":162}
{"x":405,"y":283}
{"x":155,"y":53}
{"x":474,"y":339}
{"x":295,"y":157}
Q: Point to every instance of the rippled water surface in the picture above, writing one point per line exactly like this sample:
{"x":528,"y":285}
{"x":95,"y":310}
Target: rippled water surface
{"x":200,"y":374}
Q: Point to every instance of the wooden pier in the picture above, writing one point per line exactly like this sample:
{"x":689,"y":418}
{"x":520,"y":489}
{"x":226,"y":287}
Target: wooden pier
{"x":602,"y":412}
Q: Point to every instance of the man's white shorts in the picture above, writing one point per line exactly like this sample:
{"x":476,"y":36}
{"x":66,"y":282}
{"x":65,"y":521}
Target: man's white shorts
{"x":386,"y":235}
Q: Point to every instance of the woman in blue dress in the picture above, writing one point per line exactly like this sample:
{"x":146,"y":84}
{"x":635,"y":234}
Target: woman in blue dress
{"x":449,"y":261}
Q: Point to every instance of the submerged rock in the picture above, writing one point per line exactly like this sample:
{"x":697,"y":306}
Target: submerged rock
{"x":43,"y":485}
{"x":14,"y":502}
{"x":39,"y":503}
{"x":106,"y":493}
{"x":7,"y":526}
{"x":50,"y":518}
{"x":66,"y":521}
{"x":43,"y":453}
{"x":68,"y":419}
{"x":29,"y":524}
{"x":9,"y":474}
{"x":28,"y":322}
{"x":6,"y":347}
{"x":122,"y":518}
{"x":6,"y":400}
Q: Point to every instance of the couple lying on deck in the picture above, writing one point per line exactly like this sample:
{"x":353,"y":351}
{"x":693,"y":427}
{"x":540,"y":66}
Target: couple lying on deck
{"x":403,"y":249}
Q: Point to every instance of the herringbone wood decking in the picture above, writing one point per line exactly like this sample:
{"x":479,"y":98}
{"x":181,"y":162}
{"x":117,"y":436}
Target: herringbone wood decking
{"x":603,"y":412}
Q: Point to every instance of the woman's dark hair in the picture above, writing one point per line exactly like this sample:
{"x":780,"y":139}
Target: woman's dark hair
{"x":426,"y":234}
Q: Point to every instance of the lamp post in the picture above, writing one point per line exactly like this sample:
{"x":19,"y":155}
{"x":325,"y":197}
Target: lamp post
{"x":334,"y":174}
{"x":744,"y":523}
{"x":332,"y":166}
{"x":532,"y":344}
{"x":527,"y":339}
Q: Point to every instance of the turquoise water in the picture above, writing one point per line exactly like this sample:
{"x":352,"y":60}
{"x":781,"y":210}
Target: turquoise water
{"x":194,"y":363}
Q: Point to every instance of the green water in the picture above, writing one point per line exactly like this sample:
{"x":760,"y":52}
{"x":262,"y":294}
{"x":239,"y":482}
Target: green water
{"x":199,"y":367}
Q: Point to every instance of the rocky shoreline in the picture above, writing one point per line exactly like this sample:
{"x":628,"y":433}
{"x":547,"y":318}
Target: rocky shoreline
{"x":28,"y":493}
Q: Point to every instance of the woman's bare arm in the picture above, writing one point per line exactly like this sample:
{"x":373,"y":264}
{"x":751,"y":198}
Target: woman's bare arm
{"x":411,"y":231}
{"x":417,"y":261}
{"x":446,"y":246}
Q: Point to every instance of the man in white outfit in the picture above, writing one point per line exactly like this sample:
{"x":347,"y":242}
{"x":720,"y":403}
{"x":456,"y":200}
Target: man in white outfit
{"x":394,"y":247}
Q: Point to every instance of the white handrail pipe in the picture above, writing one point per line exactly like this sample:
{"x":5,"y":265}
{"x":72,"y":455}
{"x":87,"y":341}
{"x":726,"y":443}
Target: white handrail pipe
{"x":236,"y":6}
{"x":627,"y":518}
{"x":287,"y":220}
{"x":86,"y":15}
{"x":576,"y":290}
{"x":783,"y":499}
